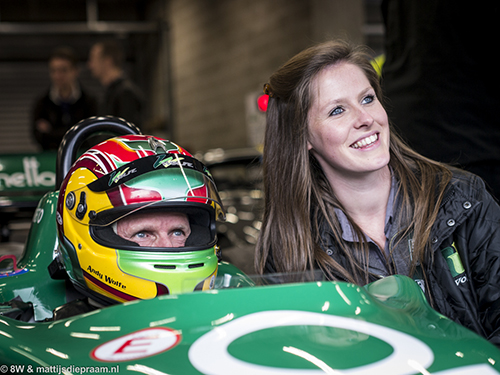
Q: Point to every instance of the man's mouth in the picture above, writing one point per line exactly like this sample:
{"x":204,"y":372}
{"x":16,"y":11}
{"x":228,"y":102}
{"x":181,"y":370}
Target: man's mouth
{"x":365,"y":141}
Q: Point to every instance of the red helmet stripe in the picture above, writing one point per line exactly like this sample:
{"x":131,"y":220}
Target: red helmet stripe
{"x":107,"y":288}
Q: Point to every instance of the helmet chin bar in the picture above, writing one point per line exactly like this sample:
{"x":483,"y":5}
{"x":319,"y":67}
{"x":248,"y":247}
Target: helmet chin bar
{"x":102,"y":300}
{"x":165,"y":280}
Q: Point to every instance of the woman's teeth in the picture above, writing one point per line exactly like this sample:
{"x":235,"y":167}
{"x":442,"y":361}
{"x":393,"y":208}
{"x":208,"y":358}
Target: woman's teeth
{"x":365,"y":142}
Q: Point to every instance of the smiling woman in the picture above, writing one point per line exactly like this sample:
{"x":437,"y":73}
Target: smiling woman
{"x":348,"y":127}
{"x":344,"y":194}
{"x":351,"y":144}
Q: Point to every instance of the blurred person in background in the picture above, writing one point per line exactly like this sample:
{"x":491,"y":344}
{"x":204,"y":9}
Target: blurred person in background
{"x":64,"y":104}
{"x":122,"y":97}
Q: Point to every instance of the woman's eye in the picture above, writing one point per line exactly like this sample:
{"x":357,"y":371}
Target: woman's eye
{"x":368,"y":99}
{"x":336,"y":111}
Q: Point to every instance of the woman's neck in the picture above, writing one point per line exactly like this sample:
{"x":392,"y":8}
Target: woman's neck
{"x":365,"y":200}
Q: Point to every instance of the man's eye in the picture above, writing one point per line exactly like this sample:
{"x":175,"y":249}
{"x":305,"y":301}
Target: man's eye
{"x":178,"y":233}
{"x":336,"y":111}
{"x":140,"y":235}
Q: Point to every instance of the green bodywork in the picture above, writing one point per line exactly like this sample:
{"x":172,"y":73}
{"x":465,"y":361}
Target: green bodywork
{"x":25,"y":178}
{"x":319,"y":327}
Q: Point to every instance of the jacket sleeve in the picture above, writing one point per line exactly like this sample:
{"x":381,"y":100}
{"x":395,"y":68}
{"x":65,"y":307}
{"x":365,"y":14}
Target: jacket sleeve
{"x":483,"y":260}
{"x":129,"y":104}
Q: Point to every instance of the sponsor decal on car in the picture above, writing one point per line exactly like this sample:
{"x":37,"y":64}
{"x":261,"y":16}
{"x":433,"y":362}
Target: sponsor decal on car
{"x":141,"y":344}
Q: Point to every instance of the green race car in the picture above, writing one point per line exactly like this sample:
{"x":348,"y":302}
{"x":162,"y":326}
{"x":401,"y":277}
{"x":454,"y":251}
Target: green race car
{"x":285,"y":324}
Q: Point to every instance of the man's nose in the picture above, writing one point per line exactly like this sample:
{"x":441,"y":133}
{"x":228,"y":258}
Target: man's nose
{"x":164,"y":240}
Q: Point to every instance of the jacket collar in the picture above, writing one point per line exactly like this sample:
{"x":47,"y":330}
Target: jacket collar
{"x":455,"y":208}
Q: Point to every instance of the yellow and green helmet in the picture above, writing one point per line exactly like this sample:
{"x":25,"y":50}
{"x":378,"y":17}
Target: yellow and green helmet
{"x":128,"y":175}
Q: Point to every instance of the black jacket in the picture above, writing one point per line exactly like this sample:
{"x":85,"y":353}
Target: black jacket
{"x":124,"y":99}
{"x":470,"y":218}
{"x":463,"y":280}
{"x":61,"y":117}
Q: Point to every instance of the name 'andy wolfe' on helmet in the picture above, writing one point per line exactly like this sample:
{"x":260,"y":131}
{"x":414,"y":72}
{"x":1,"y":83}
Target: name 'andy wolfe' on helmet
{"x":131,"y":176}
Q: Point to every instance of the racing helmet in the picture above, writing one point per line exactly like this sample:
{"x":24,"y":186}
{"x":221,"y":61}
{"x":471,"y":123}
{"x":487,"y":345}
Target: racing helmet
{"x":124,"y":176}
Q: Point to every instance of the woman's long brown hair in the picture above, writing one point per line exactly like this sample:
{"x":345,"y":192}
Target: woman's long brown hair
{"x":297,"y":192}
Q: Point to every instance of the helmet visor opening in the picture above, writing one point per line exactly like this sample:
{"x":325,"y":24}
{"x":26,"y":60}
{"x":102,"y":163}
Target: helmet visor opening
{"x":200,"y":219}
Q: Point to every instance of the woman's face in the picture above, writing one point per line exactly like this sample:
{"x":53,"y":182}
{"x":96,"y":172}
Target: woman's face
{"x":347,"y":125}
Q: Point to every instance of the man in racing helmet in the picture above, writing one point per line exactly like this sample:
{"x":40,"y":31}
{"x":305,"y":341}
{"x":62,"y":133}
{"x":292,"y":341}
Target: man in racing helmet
{"x":136,"y":219}
{"x":167,"y":229}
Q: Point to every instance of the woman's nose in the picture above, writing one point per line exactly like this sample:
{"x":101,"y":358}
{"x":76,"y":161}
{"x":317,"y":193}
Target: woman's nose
{"x":363,"y":118}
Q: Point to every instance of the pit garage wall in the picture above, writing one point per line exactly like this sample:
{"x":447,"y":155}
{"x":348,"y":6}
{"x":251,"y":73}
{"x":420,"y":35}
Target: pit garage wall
{"x":224,"y":50}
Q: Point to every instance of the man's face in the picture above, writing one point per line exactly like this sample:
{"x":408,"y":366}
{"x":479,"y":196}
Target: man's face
{"x":165,"y":229}
{"x":62,"y":74}
{"x":96,"y":61}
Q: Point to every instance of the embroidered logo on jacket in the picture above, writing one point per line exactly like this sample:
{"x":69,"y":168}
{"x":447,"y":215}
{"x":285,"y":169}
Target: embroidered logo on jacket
{"x":455,"y":264}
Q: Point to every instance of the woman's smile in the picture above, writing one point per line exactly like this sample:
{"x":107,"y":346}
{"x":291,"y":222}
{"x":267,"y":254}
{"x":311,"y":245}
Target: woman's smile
{"x":365,"y":142}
